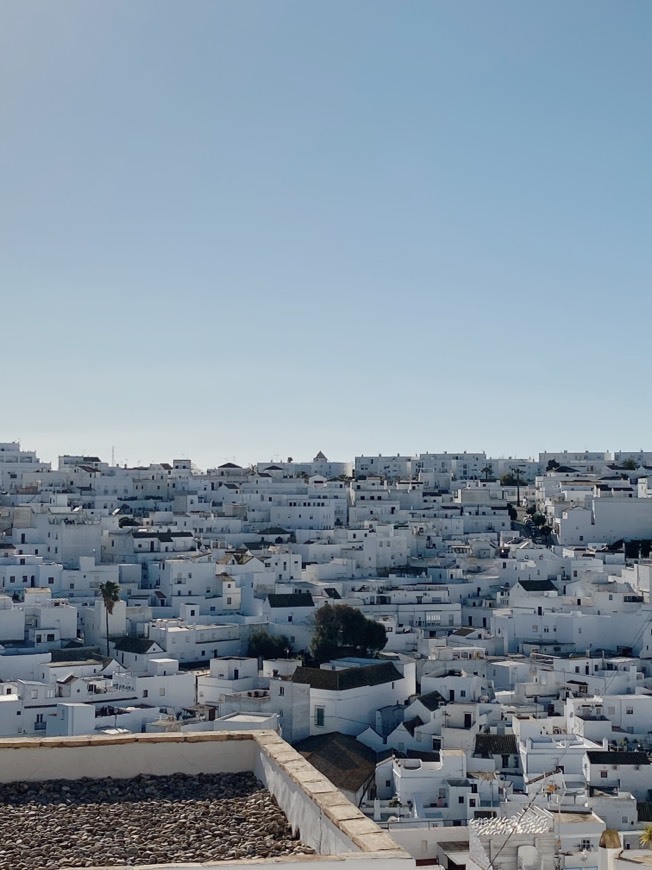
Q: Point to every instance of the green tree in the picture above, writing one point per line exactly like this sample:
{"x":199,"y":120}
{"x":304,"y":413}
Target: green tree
{"x":375,"y":636}
{"x":109,"y":592}
{"x":128,"y":521}
{"x":264,"y":645}
{"x":552,"y":465}
{"x":341,"y":629}
{"x":487,"y":470}
{"x":531,"y":510}
{"x":630,"y":464}
{"x":546,"y":531}
{"x":513,"y":513}
{"x":539,"y":519}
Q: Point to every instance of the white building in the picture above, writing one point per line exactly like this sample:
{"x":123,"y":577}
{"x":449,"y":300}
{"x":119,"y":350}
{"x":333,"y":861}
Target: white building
{"x":345,"y":694}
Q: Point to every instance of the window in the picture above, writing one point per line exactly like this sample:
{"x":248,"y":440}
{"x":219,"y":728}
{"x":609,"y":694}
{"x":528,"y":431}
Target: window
{"x":603,"y":774}
{"x":161,"y":692}
{"x":460,"y":799}
{"x":629,"y":711}
{"x":281,"y":690}
{"x":145,"y":693}
{"x":319,"y":717}
{"x":50,"y":637}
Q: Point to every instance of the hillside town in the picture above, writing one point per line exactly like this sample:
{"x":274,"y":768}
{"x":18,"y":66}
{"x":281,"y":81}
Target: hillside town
{"x":461,"y":644}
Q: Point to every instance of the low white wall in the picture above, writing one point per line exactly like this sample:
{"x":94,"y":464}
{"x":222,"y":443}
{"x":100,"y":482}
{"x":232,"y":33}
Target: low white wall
{"x":422,"y":841}
{"x":306,"y":817}
{"x":123,"y":756}
{"x":323,"y":818}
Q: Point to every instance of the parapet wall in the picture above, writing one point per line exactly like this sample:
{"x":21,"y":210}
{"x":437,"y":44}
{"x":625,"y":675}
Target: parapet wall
{"x":317,"y":811}
{"x":124,"y":756}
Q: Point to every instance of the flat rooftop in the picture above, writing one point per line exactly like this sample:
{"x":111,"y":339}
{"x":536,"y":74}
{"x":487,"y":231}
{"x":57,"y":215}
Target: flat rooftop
{"x":576,"y":818}
{"x":144,"y":820}
{"x":173,"y":800}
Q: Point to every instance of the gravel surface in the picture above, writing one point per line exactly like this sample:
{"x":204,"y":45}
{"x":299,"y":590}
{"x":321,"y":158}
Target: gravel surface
{"x":145,"y":820}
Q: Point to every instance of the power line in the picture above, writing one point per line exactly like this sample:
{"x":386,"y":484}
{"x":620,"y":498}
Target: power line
{"x":558,"y":767}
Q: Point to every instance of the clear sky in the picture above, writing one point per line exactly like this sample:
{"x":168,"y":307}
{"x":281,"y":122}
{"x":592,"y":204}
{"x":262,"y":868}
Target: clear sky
{"x":238,"y":229}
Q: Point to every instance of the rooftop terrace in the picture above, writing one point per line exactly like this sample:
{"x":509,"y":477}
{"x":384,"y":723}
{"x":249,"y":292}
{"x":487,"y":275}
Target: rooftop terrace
{"x":171,"y":800}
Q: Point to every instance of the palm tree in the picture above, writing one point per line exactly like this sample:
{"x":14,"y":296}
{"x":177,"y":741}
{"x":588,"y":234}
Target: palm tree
{"x":516,"y":471}
{"x":110,"y":593}
{"x":645,"y":840}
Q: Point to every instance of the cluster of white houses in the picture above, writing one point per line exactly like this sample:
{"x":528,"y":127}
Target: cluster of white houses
{"x":517,"y":676}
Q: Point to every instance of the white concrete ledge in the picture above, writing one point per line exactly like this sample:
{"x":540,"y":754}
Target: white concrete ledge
{"x":317,"y":811}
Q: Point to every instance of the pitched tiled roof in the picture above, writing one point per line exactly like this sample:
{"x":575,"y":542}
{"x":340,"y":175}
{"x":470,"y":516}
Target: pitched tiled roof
{"x":423,"y":755}
{"x":341,"y":758}
{"x":332,"y":592}
{"x":537,"y":585}
{"x":162,"y":536}
{"x":495,"y":744}
{"x":138,"y":645}
{"x":432,"y":700}
{"x":411,"y":724}
{"x":605,"y":757}
{"x":291,"y":599}
{"x":347,"y":678}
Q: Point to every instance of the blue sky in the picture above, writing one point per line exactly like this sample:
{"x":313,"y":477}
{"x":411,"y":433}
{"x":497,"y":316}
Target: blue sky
{"x":235,"y":229}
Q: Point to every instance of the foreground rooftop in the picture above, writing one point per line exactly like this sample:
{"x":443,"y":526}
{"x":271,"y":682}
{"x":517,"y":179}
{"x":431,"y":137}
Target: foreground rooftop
{"x":191,"y":792}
